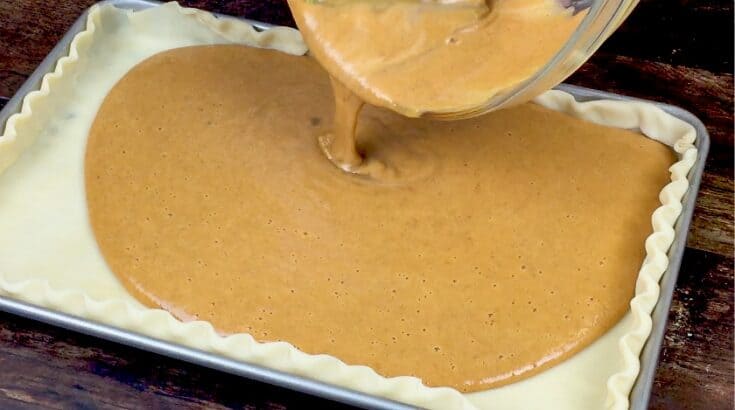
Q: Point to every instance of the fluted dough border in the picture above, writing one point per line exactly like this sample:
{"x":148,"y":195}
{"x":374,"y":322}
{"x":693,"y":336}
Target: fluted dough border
{"x":282,"y":356}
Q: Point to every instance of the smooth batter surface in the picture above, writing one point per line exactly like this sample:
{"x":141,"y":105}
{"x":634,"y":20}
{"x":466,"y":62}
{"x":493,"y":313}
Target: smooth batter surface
{"x":433,"y":56}
{"x":502,"y":245}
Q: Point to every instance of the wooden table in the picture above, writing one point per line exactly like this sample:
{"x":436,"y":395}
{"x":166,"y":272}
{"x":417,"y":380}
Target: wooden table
{"x":674,"y":51}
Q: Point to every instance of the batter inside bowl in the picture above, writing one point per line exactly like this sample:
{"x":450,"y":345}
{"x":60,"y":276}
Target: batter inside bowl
{"x":493,"y":248}
{"x":433,"y":56}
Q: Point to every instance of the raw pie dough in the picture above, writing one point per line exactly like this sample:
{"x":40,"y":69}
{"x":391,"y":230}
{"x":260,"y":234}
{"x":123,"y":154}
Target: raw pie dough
{"x":44,"y":213}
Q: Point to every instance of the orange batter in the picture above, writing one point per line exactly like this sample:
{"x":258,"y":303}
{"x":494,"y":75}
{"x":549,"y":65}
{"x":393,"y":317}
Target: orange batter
{"x":493,"y":248}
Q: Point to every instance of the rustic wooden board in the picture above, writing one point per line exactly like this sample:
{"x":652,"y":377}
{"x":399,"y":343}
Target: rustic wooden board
{"x":675,"y":51}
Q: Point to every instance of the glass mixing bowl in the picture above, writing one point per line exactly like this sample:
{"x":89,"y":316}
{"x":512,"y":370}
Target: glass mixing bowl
{"x":603,"y":18}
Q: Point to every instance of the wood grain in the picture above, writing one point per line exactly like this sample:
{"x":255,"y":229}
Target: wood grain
{"x":674,"y":51}
{"x":697,"y":358}
{"x":28,"y":31}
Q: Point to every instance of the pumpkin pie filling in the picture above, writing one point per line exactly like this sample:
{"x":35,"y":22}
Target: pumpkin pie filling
{"x":493,"y":247}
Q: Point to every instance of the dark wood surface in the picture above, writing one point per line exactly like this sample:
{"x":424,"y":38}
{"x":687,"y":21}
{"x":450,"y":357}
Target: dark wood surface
{"x":675,"y":51}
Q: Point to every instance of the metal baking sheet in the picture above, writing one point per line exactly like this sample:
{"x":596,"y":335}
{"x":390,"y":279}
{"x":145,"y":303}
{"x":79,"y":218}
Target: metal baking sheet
{"x":649,"y":357}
